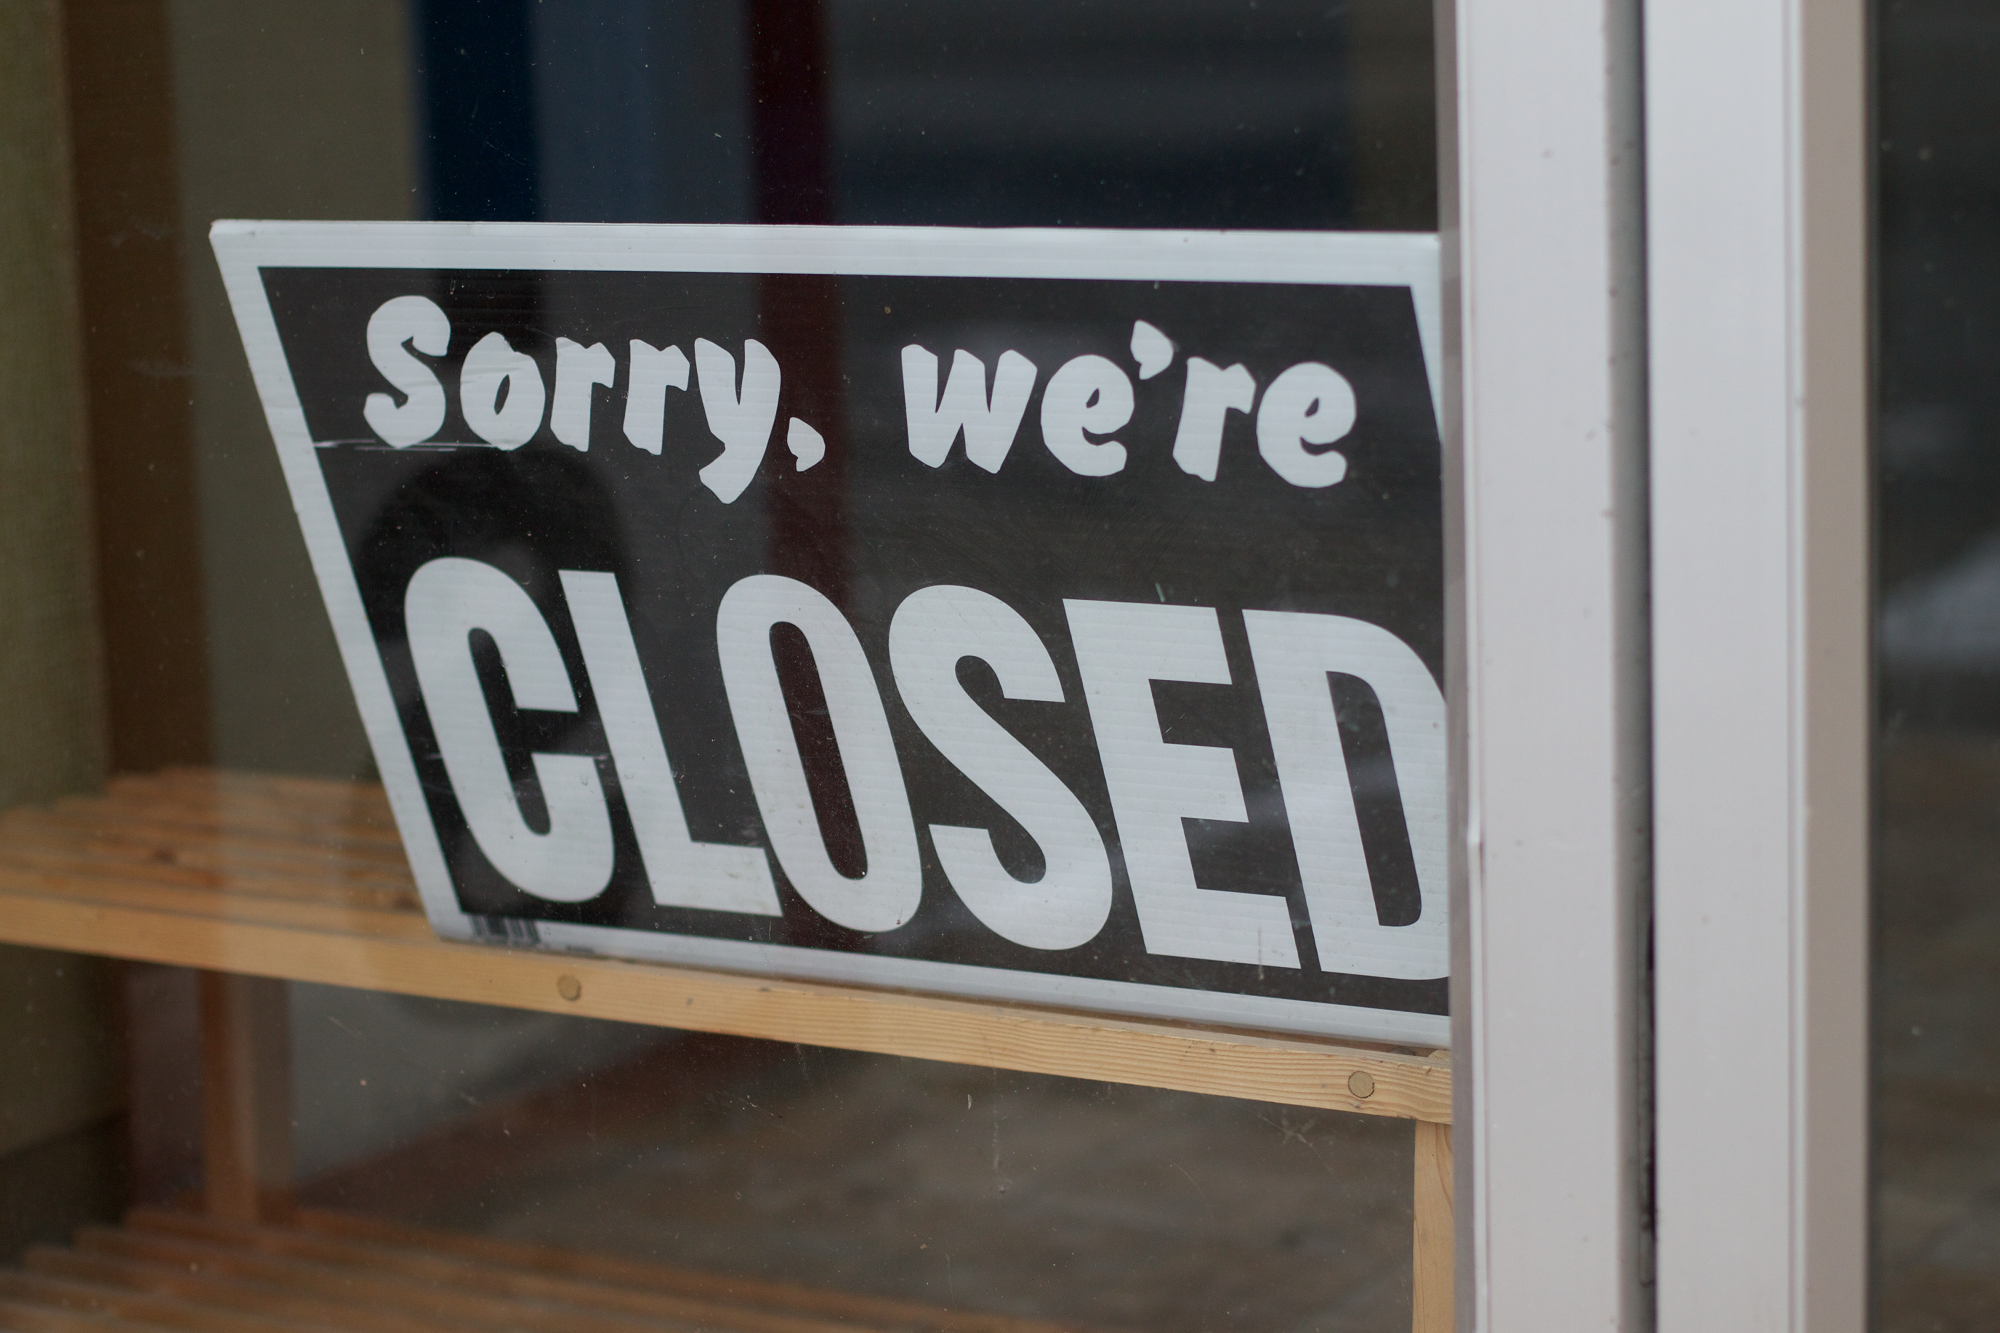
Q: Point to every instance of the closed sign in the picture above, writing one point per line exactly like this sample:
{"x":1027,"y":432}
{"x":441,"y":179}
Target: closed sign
{"x":1047,"y":616}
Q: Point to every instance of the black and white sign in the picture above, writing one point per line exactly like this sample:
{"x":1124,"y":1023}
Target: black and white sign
{"x":1053,"y":616}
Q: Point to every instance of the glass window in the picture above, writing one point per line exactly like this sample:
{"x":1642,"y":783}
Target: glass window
{"x":1938,"y":635}
{"x":189,"y":738}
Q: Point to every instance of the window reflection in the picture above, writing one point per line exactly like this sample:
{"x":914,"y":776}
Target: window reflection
{"x":1081,"y":1201}
{"x":1937,"y":1100}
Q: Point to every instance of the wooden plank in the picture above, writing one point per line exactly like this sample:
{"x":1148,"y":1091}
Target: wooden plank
{"x":361,"y":802}
{"x":522,"y":1256}
{"x":460,"y":1305}
{"x":169,"y":818}
{"x":199,"y":848}
{"x":365,"y":888}
{"x":364,"y":820}
{"x":138,"y":1307}
{"x":454,"y":1272}
{"x":199,"y":780}
{"x":229,"y":1293}
{"x":1432,"y":1297}
{"x":291,"y":786}
{"x":181,"y":1271}
{"x":16,"y":1317}
{"x":1293,"y":1071}
{"x":329,"y":914}
{"x":78,"y":875}
{"x":246,"y":1071}
{"x":298,"y":881}
{"x":218,"y":783}
{"x":364,"y":809}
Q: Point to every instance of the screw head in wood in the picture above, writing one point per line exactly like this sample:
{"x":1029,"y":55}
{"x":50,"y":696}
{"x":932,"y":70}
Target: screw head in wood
{"x":570,"y":988}
{"x":1361,"y":1083}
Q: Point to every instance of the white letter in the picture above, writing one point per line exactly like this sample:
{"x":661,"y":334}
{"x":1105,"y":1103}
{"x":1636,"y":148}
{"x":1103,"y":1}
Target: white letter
{"x":494,"y":372}
{"x":989,"y":427}
{"x":1211,"y":394}
{"x":578,"y":368}
{"x":1308,"y":404}
{"x":683,"y":872}
{"x":392,"y":329}
{"x":888,"y":893}
{"x":1153,"y":350}
{"x":448,"y":599}
{"x":744,"y":423}
{"x":808,"y":446}
{"x":933,"y":629}
{"x":931,"y":431}
{"x":1294,"y":653}
{"x":653,"y":370}
{"x":1122,"y":648}
{"x":1090,"y":394}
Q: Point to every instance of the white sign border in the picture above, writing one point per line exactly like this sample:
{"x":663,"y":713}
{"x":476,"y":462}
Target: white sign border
{"x":244,"y":248}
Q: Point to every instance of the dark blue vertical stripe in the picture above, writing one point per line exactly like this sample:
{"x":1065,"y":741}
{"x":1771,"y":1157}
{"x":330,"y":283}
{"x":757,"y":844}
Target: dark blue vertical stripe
{"x":476,"y":75}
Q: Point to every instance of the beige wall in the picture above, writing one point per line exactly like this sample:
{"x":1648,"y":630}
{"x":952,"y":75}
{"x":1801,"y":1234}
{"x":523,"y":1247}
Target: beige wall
{"x":282,"y":111}
{"x":60,"y":1090}
{"x":51,"y":705}
{"x":59,"y":1048}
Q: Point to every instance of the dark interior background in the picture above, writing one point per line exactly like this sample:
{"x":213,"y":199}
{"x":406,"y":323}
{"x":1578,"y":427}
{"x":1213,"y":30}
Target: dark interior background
{"x":1111,"y":113}
{"x":1937,"y":887}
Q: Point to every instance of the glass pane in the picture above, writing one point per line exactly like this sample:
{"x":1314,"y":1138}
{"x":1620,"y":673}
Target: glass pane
{"x":1937,"y":968}
{"x":165,"y":547}
{"x":1102,"y":1205}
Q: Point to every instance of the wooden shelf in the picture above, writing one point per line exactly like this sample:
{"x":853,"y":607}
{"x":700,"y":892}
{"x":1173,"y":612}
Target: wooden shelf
{"x":306,"y":880}
{"x":321,"y":1272}
{"x":249,"y":876}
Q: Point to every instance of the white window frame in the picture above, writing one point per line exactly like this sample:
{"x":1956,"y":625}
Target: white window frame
{"x":1757,"y":185}
{"x":1540,"y":206}
{"x":1656,"y":296}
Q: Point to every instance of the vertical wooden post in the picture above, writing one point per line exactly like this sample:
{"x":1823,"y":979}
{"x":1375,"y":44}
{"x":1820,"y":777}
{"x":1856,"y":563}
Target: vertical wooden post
{"x":246,"y":1095}
{"x":1431,"y":1303}
{"x":140,"y":399}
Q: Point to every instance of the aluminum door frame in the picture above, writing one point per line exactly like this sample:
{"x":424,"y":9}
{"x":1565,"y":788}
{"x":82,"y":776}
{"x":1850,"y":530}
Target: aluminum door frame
{"x":1757,"y":210}
{"x":1541,"y":214}
{"x":1656,"y":296}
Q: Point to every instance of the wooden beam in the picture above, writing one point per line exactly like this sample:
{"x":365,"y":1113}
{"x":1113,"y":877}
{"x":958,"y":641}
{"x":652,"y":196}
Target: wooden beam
{"x":1432,"y":1304}
{"x":246,"y":1070}
{"x":285,"y":880}
{"x":139,"y":391}
{"x":1296,"y":1071}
